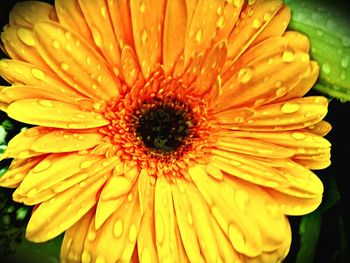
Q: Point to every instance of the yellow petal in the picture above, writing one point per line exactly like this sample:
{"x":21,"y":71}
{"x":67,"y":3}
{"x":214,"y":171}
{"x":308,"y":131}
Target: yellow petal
{"x":184,"y":218}
{"x":71,"y":16}
{"x":120,"y":232}
{"x":30,"y":12}
{"x":66,"y":141}
{"x":98,"y":19}
{"x":19,"y":72}
{"x":72,"y":247}
{"x":63,"y":211}
{"x":75,"y":61}
{"x":147,"y":18}
{"x":20,"y":45}
{"x":175,"y":23}
{"x":54,"y":114}
{"x":131,"y":70}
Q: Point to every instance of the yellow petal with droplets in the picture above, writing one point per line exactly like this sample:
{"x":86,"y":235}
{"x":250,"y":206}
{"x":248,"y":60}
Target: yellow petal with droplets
{"x":98,"y":19}
{"x":147,"y":19}
{"x":185,"y":222}
{"x":21,"y":92}
{"x":54,"y":114}
{"x":121,"y":229}
{"x":71,"y":16}
{"x":322,"y":128}
{"x":175,"y":23}
{"x":66,"y":141}
{"x":72,"y":247}
{"x":20,"y":145}
{"x":30,"y":12}
{"x":75,"y":61}
{"x":19,"y":72}
{"x":131,"y":70}
{"x":20,"y":44}
{"x":17,"y":171}
{"x":63,"y":211}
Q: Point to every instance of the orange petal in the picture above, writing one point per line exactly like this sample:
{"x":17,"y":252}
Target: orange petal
{"x":63,"y":211}
{"x":98,"y":19}
{"x":71,"y":16}
{"x":54,"y":114}
{"x":72,"y":246}
{"x":322,"y":128}
{"x":174,"y":32}
{"x":19,"y":72}
{"x":121,"y":19}
{"x":75,"y":61}
{"x":249,"y":27}
{"x":147,"y":19}
{"x":119,"y":231}
{"x":20,"y":45}
{"x":30,"y":12}
{"x":21,"y":92}
{"x":131,"y":70}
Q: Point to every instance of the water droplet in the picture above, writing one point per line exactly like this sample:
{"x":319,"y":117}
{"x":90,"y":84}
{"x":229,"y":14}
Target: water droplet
{"x":159,"y":229}
{"x":64,"y":66}
{"x":82,"y":184}
{"x":221,"y":21}
{"x":26,"y":36}
{"x":199,"y":35}
{"x":45,"y":103}
{"x":319,"y":32}
{"x":118,"y":228}
{"x":288,"y":56}
{"x":267,"y":16}
{"x":97,"y":36}
{"x":4,"y":64}
{"x":37,"y":73}
{"x":85,"y":164}
{"x":142,"y":7}
{"x":281,"y":91}
{"x":251,"y":2}
{"x":144,"y":35}
{"x":298,"y":135}
{"x":130,"y":197}
{"x":235,"y":163}
{"x":103,"y":12}
{"x":100,"y":259}
{"x":132,"y":233}
{"x":290,"y":107}
{"x":56,"y":44}
{"x":345,"y":62}
{"x":86,"y":257}
{"x":146,"y":256}
{"x":236,"y":3}
{"x":219,"y":11}
{"x":256,"y":23}
{"x":42,"y":166}
{"x":88,"y":60}
{"x":68,"y":47}
{"x":345,"y":41}
{"x":326,"y":68}
{"x":91,"y":235}
{"x":189,"y":218}
{"x":245,"y":75}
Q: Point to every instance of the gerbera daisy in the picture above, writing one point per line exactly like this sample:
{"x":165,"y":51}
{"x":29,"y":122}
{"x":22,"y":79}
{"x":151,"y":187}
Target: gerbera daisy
{"x":165,"y":130}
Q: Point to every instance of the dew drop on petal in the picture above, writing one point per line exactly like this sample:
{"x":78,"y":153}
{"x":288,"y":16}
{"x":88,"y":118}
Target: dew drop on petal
{"x":144,"y":35}
{"x":345,"y":41}
{"x":281,"y":91}
{"x":288,"y":56}
{"x":86,"y":257}
{"x":45,"y":103}
{"x":85,"y":164}
{"x":235,"y":163}
{"x":298,"y":135}
{"x":118,"y":228}
{"x":56,"y":44}
{"x":91,"y":235}
{"x":42,"y":166}
{"x":345,"y":62}
{"x":146,"y":256}
{"x":97,"y":36}
{"x":256,"y":23}
{"x":221,"y":21}
{"x":245,"y":75}
{"x":267,"y":16}
{"x":132,"y":233}
{"x":103,"y":12}
{"x":26,"y":36}
{"x":64,"y":66}
{"x":290,"y":107}
{"x":38,"y":74}
{"x":199,"y":35}
{"x":100,"y":259}
{"x":326,"y":68}
{"x":142,"y":7}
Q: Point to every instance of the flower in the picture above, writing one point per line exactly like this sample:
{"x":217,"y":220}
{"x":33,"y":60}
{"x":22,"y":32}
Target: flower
{"x":166,"y":130}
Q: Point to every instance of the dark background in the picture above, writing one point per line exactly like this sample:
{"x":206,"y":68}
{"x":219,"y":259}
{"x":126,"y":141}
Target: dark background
{"x":335,"y":221}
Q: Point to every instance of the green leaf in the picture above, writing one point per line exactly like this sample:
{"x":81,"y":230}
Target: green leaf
{"x":310,"y":225}
{"x":327,"y":28}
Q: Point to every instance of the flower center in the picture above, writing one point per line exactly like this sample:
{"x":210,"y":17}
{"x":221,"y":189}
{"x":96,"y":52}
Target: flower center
{"x":163,"y":129}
